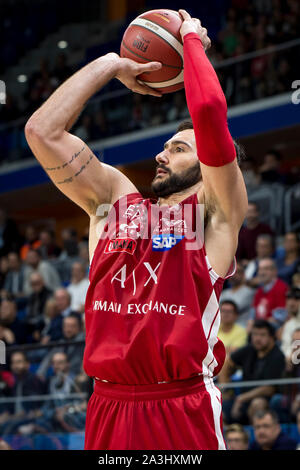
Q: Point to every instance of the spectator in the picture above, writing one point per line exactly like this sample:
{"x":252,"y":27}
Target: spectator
{"x":9,"y":234}
{"x":230,"y":333}
{"x":31,"y":241}
{"x":268,"y":433}
{"x":249,"y":233}
{"x":6,"y":335}
{"x":239,"y":293}
{"x":264,"y":249}
{"x":70,"y":243}
{"x":84,"y":257}
{"x":296,"y":280}
{"x":287,"y":401}
{"x":270,"y":298}
{"x":47,"y":271}
{"x":63,"y":302}
{"x":249,"y":172}
{"x":14,"y":281}
{"x":236,"y":437}
{"x":48,"y":248}
{"x":288,"y":258}
{"x":260,"y":360}
{"x":60,"y":386}
{"x":78,"y":287}
{"x":293,"y":322}
{"x":36,"y":305}
{"x":9,"y":320}
{"x":54,"y":319}
{"x":3,"y":271}
{"x":26,"y":384}
{"x":270,"y":169}
{"x":72,"y":332}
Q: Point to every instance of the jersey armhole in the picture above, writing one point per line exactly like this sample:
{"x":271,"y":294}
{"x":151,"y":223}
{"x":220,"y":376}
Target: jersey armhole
{"x":214,"y":276}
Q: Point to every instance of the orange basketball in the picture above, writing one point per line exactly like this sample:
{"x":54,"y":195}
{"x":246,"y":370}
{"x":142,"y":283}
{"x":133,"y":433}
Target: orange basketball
{"x":155,"y":36}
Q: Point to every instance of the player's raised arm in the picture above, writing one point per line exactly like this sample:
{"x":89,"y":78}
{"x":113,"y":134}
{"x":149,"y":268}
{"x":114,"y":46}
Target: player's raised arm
{"x":68,"y":161}
{"x":222,"y":178}
{"x":224,"y":189}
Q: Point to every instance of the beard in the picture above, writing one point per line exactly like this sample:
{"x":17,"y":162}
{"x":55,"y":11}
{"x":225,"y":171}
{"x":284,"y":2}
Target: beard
{"x":176,"y":182}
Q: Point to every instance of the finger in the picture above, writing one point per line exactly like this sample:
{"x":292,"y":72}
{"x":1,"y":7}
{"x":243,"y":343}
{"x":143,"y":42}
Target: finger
{"x":149,"y":67}
{"x":196,"y":20}
{"x":144,"y":89}
{"x":185,"y":15}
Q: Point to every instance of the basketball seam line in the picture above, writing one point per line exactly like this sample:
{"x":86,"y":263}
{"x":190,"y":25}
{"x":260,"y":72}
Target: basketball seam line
{"x":157,"y":24}
{"x":145,"y":19}
{"x":150,"y":60}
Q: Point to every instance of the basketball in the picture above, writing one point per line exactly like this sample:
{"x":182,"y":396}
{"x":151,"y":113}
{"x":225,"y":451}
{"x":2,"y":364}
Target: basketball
{"x":155,"y":36}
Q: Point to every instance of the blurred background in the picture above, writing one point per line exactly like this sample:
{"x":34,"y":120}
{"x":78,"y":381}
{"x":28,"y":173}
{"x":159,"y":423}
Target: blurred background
{"x":44,"y":258}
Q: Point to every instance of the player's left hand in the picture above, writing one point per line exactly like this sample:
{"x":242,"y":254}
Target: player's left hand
{"x":193,"y":25}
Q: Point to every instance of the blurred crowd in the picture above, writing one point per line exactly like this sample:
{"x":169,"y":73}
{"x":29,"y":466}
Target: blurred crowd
{"x":43,"y":285}
{"x":248,"y":27}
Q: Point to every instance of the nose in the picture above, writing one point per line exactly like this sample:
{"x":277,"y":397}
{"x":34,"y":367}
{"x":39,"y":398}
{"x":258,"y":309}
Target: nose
{"x":162,"y":157}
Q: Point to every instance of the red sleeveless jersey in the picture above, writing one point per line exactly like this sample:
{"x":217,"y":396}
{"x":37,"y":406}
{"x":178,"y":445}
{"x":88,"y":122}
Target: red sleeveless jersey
{"x":152,"y":310}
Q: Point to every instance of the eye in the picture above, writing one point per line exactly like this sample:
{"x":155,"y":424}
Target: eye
{"x":179,"y":149}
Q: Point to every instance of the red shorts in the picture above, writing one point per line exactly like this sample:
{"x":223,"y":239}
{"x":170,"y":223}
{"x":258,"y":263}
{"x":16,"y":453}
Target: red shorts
{"x":177,"y":415}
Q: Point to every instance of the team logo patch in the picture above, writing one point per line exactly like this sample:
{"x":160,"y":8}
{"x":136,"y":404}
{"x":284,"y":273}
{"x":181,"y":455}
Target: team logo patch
{"x":118,"y":245}
{"x":165,"y":242}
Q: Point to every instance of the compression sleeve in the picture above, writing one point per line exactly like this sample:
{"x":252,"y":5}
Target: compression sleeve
{"x":207,"y":105}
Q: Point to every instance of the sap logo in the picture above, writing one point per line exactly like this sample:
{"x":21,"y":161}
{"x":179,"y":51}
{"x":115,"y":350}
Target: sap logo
{"x":165,"y":242}
{"x":119,"y":245}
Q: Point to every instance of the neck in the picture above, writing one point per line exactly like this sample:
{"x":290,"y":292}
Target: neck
{"x":264,"y":352}
{"x":226,"y":327}
{"x":175,"y":198}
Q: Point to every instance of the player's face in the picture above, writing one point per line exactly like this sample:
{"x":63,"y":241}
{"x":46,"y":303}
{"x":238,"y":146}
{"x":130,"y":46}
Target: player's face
{"x":178,"y":166}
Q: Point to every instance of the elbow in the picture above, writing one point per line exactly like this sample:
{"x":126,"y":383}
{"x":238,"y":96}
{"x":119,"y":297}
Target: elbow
{"x":32,"y":129}
{"x":212,"y":108}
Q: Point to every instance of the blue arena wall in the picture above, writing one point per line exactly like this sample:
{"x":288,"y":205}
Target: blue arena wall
{"x":244,"y":121}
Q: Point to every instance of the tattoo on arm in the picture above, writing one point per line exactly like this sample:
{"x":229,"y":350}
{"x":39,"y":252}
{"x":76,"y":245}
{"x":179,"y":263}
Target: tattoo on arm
{"x":82,"y":168}
{"x":60,"y":167}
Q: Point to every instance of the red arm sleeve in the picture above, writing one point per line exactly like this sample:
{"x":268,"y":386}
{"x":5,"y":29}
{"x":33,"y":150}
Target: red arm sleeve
{"x":207,"y":105}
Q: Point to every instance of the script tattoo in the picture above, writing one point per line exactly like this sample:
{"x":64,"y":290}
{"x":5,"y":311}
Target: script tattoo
{"x":61,"y":167}
{"x":81,"y":169}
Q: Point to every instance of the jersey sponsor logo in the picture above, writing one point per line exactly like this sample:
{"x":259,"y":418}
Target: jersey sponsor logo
{"x":165,"y":242}
{"x":119,"y":245}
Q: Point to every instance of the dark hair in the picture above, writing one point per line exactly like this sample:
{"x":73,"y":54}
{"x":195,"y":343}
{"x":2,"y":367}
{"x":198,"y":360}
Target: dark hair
{"x":293,"y":293}
{"x":265,"y":324}
{"x":232,"y":303}
{"x":239,"y":150}
{"x":262,"y":413}
{"x":19,"y":351}
{"x":235,"y":427}
{"x":77,"y":317}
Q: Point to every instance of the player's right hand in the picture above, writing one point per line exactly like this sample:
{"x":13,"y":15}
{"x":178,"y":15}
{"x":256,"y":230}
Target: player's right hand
{"x":193,"y":25}
{"x":128,"y":72}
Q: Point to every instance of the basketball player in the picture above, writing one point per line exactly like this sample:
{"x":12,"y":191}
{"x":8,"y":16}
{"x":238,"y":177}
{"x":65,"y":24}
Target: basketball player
{"x":152,"y":313}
